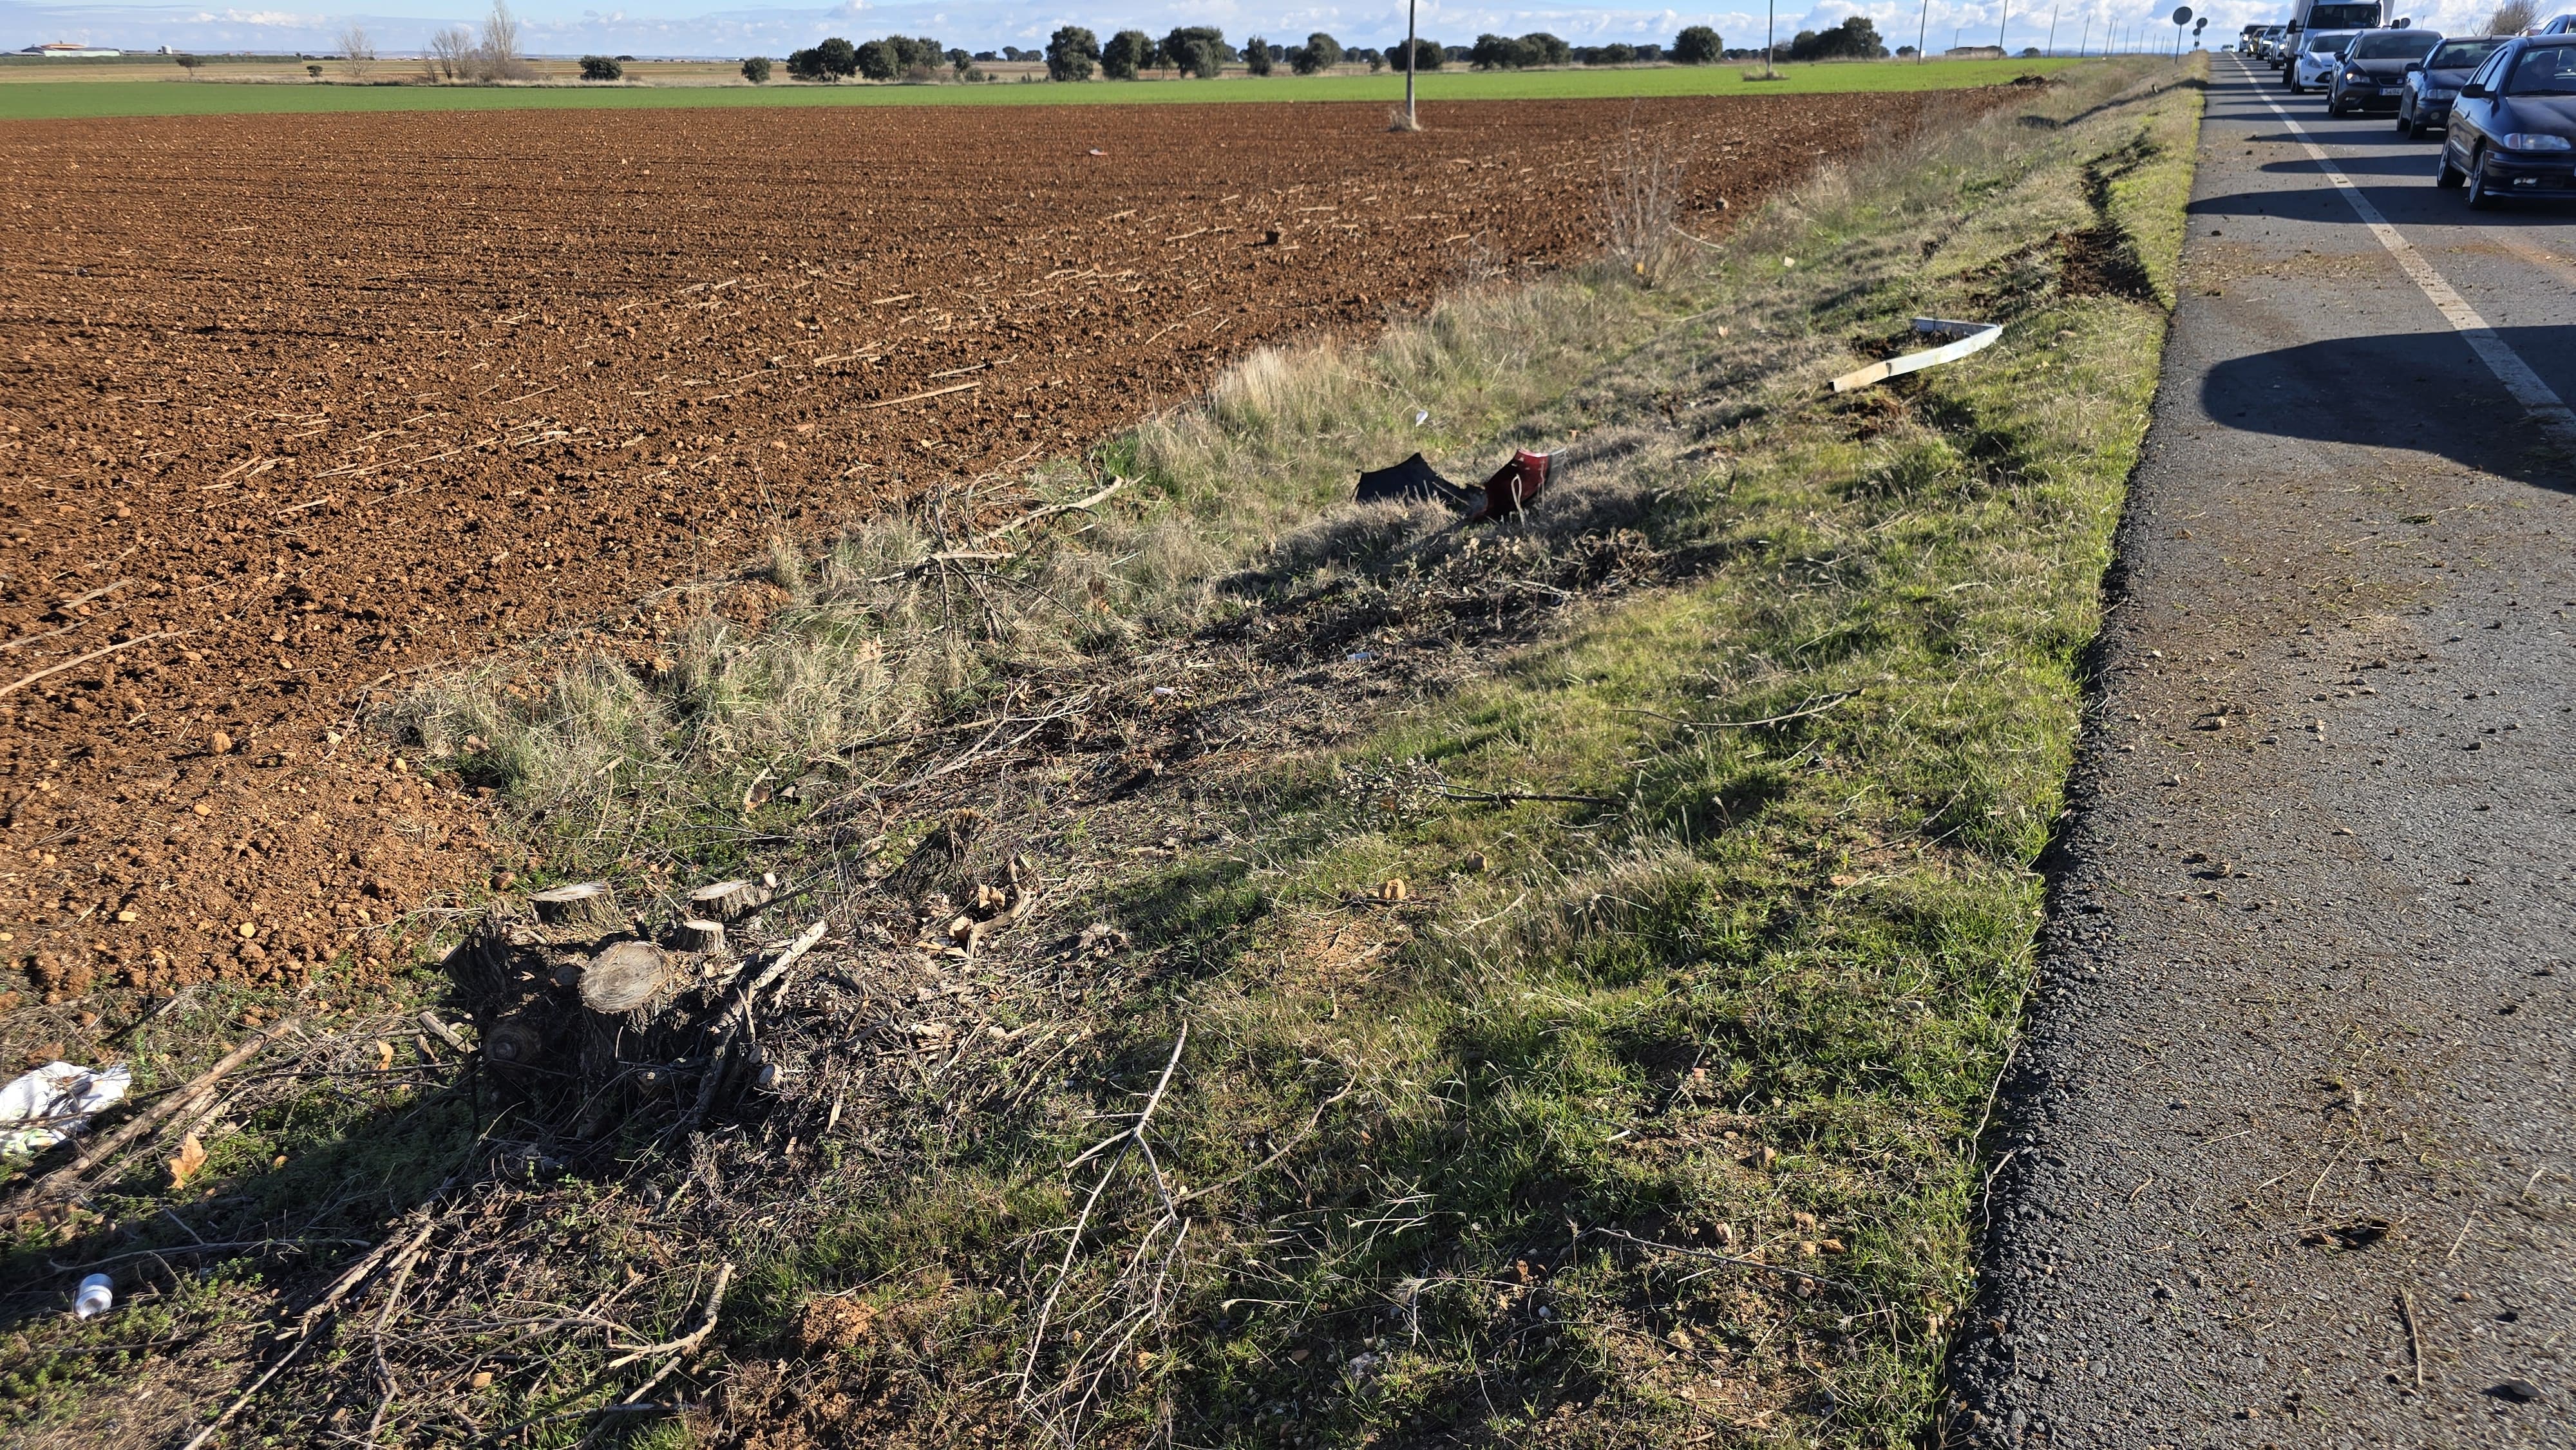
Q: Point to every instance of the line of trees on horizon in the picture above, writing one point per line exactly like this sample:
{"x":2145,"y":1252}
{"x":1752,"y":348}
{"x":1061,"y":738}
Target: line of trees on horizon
{"x":1074,"y":53}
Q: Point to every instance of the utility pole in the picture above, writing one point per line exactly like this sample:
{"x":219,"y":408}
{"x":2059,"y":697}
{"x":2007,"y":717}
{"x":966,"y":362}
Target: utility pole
{"x":2052,"y":28}
{"x":1410,"y":47}
{"x":2087,"y":43}
{"x":1770,"y":33}
{"x":2001,"y":26}
{"x":1922,"y":31}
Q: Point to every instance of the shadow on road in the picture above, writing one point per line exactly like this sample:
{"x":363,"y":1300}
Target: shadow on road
{"x":2423,"y":392}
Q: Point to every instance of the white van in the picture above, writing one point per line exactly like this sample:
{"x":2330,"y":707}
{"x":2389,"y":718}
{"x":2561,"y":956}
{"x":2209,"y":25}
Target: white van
{"x":2307,"y":15}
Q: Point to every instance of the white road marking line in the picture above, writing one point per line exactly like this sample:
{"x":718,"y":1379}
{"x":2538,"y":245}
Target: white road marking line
{"x":2536,"y":397}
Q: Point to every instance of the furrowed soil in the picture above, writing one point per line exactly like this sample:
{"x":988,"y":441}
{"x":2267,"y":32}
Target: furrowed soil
{"x":295,"y":408}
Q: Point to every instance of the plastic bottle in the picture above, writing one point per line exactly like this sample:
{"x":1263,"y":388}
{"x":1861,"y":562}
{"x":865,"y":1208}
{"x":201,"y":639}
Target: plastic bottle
{"x":97,"y":1292}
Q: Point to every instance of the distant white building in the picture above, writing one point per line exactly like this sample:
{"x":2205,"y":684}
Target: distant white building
{"x":67,"y":50}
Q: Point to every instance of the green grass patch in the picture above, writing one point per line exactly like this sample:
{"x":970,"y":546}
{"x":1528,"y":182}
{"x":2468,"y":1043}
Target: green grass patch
{"x":1654,"y":1113}
{"x":55,"y":100}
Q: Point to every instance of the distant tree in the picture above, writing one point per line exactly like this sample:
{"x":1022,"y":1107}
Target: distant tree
{"x":1855,"y":39}
{"x":1256,"y":56}
{"x":1071,"y":54}
{"x":2513,"y":17}
{"x":314,"y":71}
{"x":1199,"y":49}
{"x":1375,"y":60}
{"x":188,"y":63}
{"x":1127,"y":52}
{"x":913,"y":52}
{"x":959,"y":60}
{"x":756,"y":70}
{"x":1541,"y":48}
{"x":1904,"y":51}
{"x":835,"y":59}
{"x":602,"y":68}
{"x":497,"y":55}
{"x":357,"y":53}
{"x":880,"y":61}
{"x":1613,"y":54}
{"x":448,"y":53}
{"x":1013,"y":52}
{"x":1651,"y":54}
{"x":1427,"y":55}
{"x":1494,"y":52}
{"x":2029,"y":51}
{"x":1454,"y":53}
{"x":1697,"y":45}
{"x":1320,"y":53}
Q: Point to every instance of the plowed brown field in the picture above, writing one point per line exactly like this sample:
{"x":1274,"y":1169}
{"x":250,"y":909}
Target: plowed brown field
{"x":297,"y":406}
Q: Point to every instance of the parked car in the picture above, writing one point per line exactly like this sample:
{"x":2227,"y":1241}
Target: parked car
{"x":2432,"y":86}
{"x":2373,"y":73}
{"x":2555,"y":25}
{"x":2313,"y":66}
{"x":2513,"y":127}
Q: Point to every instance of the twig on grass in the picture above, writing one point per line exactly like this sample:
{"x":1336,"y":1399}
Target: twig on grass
{"x":153,"y":1117}
{"x":1513,"y":798}
{"x":1814,"y":707}
{"x":687,"y":1344}
{"x":1130,"y":1137}
{"x":1081,"y":505}
{"x":737,"y":1012}
{"x":330,"y":1300}
{"x":1736,"y":1259}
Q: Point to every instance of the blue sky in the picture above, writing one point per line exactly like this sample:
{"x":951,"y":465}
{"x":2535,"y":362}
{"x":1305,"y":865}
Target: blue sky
{"x":697,"y":28}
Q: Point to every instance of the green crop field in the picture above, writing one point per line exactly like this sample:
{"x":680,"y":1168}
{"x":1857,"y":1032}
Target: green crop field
{"x":51,"y":100}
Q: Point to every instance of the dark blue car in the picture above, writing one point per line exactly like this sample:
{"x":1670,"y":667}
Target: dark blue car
{"x":2513,"y":129}
{"x":2434,"y":85}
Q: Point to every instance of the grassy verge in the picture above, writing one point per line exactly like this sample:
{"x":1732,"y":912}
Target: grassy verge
{"x":1648,"y":1107}
{"x":49,"y":100}
{"x":1643,"y":1110}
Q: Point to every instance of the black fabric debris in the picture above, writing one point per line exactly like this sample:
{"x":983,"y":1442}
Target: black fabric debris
{"x":1411,"y":481}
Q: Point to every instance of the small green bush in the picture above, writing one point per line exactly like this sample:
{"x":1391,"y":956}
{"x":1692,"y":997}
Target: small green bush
{"x":756,"y":70}
{"x":602,"y":68}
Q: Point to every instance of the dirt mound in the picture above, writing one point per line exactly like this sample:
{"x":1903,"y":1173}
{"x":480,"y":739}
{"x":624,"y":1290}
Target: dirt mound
{"x":298,"y":407}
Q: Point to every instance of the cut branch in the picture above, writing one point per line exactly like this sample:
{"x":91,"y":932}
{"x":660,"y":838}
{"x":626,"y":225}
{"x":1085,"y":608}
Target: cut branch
{"x":77,"y":662}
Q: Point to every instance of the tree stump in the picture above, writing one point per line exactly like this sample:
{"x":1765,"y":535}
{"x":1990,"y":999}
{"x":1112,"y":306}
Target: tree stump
{"x":938,"y":860}
{"x":704,"y":937}
{"x":587,"y":911}
{"x":627,"y":978}
{"x":516,"y":1041}
{"x":728,"y":901}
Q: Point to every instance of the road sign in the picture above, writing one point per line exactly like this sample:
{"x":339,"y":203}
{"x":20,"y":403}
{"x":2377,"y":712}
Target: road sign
{"x":2182,"y":15}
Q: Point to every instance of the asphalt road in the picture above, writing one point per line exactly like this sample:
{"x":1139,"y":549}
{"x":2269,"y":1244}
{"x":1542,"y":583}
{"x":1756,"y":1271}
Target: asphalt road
{"x":2292,"y":1143}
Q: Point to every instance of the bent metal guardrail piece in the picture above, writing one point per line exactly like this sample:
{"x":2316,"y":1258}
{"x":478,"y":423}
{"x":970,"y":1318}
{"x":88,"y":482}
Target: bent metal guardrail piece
{"x":1970,"y":336}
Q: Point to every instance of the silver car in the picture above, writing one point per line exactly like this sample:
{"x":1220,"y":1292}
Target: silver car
{"x":2314,"y":65}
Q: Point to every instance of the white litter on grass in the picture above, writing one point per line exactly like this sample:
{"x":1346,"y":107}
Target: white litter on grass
{"x":54,"y":1102}
{"x":1971,"y":336}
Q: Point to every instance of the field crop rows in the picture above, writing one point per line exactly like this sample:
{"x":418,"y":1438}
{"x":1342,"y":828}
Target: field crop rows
{"x":297,"y":407}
